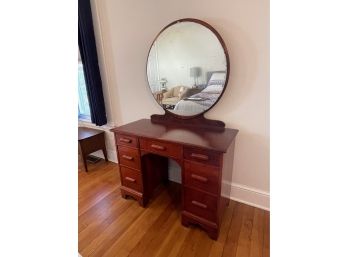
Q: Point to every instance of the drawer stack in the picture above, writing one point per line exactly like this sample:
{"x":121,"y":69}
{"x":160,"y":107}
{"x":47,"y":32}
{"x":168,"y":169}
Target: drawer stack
{"x":202,"y":186}
{"x":130,"y":167}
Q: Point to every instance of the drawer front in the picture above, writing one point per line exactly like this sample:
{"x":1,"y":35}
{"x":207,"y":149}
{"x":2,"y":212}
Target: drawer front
{"x":202,"y":176}
{"x":126,"y":140}
{"x":131,"y":178}
{"x":129,"y":157}
{"x":162,"y":148}
{"x":200,"y":204}
{"x":203,"y":156}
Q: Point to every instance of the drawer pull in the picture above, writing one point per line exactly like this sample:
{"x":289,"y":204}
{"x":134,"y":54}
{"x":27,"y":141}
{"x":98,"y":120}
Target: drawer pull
{"x":125,"y":140}
{"x":130,"y":179}
{"x":129,"y":158}
{"x":201,"y":205}
{"x":199,"y":178}
{"x":200,"y":156}
{"x":158,"y":147}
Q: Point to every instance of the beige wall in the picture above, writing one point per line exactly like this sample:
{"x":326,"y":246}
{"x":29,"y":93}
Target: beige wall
{"x":124,"y":33}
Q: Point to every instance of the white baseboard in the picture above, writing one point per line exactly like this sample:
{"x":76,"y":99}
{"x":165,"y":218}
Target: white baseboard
{"x":248,"y":195}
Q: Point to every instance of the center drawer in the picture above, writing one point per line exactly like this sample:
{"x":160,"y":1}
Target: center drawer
{"x":129,"y":157}
{"x":162,"y":148}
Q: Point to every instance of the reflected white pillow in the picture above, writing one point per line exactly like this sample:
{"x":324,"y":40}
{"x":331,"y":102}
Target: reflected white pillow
{"x":213,"y":89}
{"x":218,"y":76}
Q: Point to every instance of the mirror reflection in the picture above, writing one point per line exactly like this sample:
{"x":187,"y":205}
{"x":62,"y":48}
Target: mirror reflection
{"x":186,"y":68}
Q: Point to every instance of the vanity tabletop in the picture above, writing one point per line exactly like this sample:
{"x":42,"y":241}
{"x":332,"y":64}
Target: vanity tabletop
{"x":213,"y":140}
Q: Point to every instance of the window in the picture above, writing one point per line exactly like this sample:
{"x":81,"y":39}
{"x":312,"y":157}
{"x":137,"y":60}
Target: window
{"x":84,"y":111}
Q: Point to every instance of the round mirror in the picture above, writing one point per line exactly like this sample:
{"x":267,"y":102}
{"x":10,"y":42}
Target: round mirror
{"x":187,"y":68}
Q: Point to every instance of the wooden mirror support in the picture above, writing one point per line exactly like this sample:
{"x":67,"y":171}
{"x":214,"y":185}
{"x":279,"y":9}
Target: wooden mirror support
{"x":198,"y":121}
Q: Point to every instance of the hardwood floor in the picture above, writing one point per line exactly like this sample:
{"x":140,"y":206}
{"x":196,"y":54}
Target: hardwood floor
{"x":112,"y":226}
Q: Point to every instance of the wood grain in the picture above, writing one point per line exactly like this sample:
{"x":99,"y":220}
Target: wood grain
{"x":203,"y":138}
{"x":112,"y":226}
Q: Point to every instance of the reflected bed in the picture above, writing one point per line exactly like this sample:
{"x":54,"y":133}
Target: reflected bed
{"x":203,"y":100}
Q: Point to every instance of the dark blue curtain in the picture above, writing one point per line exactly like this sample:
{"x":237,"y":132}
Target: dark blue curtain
{"x":89,"y":59}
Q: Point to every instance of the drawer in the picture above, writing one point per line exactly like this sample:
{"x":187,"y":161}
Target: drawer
{"x":129,"y":157}
{"x":162,"y":148}
{"x":201,"y":176}
{"x":200,"y":204}
{"x":203,"y":156}
{"x":122,"y":139}
{"x":131,"y":178}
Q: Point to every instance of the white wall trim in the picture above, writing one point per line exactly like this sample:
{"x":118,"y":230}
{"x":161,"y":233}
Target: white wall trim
{"x":248,"y":195}
{"x":89,"y":124}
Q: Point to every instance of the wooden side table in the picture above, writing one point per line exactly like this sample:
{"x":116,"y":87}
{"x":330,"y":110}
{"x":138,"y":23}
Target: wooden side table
{"x":91,"y":140}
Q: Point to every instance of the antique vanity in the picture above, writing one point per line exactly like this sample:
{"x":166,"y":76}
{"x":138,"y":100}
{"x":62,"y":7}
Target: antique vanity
{"x":188,"y":69}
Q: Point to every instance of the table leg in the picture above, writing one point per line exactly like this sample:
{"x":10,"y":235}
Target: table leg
{"x":105,"y":154}
{"x":84,"y":158}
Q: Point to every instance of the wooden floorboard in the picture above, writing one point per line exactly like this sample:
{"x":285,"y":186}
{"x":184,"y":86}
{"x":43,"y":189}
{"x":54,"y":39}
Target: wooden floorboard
{"x":112,"y":226}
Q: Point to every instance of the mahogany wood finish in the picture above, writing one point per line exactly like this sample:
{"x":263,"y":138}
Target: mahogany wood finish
{"x":201,"y":204}
{"x":203,"y":156}
{"x":131,"y":179}
{"x":143,"y":147}
{"x":129,"y":157}
{"x":127,"y":140}
{"x":199,"y":138}
{"x":196,"y":121}
{"x":91,"y":140}
{"x":162,"y":148}
{"x":201,"y":176}
{"x":110,"y":226}
{"x":154,"y":171}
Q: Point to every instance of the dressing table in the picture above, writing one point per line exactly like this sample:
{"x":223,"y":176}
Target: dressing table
{"x":205,"y":158}
{"x":203,"y":148}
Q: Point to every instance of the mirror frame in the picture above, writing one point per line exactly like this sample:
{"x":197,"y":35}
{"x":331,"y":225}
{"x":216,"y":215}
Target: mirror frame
{"x":208,"y":26}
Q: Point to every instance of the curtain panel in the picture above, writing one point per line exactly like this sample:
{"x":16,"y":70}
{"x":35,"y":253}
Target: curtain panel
{"x":89,"y":58}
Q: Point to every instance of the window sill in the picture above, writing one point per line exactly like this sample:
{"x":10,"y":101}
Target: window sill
{"x":85,"y":118}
